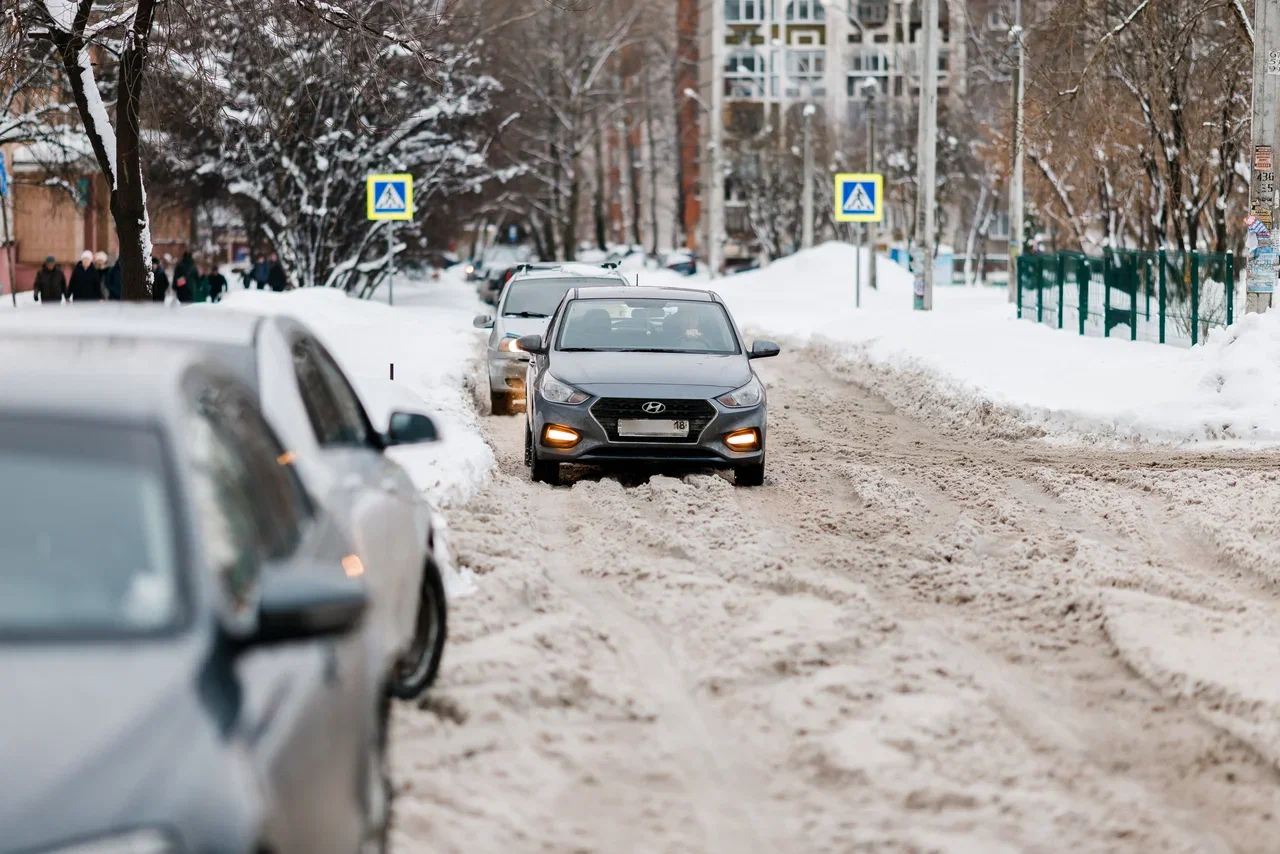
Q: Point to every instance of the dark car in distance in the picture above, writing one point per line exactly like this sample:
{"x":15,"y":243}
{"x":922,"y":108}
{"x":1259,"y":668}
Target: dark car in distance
{"x":642,"y":375}
{"x":181,"y":626}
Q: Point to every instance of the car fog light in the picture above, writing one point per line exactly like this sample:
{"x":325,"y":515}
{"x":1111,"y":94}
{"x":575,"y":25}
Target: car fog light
{"x":556,"y":436}
{"x":743,"y":440}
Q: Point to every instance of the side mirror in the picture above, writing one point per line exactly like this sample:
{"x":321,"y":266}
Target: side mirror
{"x":483,"y":321}
{"x":763,"y":350}
{"x":531,"y":344}
{"x":297,"y":607}
{"x":410,"y":428}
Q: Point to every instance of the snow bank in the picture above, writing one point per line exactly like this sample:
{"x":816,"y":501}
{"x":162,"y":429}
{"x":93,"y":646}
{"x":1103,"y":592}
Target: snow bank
{"x":974,"y":352}
{"x":429,"y":339}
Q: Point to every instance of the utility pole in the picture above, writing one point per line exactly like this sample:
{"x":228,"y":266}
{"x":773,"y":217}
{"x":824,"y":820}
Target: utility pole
{"x":1260,"y":276}
{"x":926,"y":158}
{"x":715,"y":205}
{"x":1016,"y":226}
{"x":806,"y":241}
{"x":869,"y":89}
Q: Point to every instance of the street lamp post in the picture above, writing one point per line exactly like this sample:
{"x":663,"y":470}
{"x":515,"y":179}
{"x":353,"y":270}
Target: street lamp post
{"x":869,"y":90}
{"x":806,"y":241}
{"x":1016,"y":226}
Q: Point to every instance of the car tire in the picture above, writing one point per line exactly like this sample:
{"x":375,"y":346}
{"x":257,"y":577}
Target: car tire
{"x":416,"y":672}
{"x":752,"y":475}
{"x":540,"y":471}
{"x":378,"y":794}
{"x":500,"y":403}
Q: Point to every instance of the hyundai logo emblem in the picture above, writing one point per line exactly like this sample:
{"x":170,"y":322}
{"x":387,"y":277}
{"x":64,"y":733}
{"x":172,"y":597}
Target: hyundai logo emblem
{"x":653,"y":407}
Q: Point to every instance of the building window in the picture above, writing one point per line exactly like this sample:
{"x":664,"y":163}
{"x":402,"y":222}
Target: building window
{"x":999,"y":228}
{"x":997,"y":19}
{"x":806,"y":66}
{"x":855,"y":88}
{"x":806,"y":10}
{"x":869,"y":60}
{"x":743,"y":11}
{"x":744,"y":75}
{"x":873,"y":13}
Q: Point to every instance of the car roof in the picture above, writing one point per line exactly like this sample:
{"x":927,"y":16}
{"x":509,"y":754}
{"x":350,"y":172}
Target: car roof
{"x":147,"y":321}
{"x":634,"y":292}
{"x":569,"y":270}
{"x":93,"y":378}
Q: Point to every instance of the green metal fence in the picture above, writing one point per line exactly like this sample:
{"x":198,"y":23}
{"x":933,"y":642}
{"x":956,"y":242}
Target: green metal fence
{"x":1168,"y":297}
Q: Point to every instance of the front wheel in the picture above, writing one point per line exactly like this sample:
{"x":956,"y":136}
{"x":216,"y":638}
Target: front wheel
{"x":418,"y":667}
{"x":752,"y":475}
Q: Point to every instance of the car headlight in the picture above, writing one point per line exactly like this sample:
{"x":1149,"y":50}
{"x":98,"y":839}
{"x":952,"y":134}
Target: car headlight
{"x":557,"y":392}
{"x":143,"y":841}
{"x":749,"y":395}
{"x":508,"y":345}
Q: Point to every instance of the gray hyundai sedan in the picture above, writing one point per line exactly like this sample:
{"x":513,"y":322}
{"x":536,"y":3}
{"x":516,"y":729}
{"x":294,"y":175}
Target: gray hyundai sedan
{"x":644,"y":375}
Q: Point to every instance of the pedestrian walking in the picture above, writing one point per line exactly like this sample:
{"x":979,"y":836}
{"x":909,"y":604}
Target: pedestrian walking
{"x":261,"y":272}
{"x":100,"y":267}
{"x":217,"y":284}
{"x":186,"y":269}
{"x":276,"y":277}
{"x":183,"y":288}
{"x":51,"y":284}
{"x":111,"y":281}
{"x":159,"y":281}
{"x":86,"y":282}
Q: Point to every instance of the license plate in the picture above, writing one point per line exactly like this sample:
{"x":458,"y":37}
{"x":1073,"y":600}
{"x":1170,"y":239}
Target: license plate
{"x":646,"y":427}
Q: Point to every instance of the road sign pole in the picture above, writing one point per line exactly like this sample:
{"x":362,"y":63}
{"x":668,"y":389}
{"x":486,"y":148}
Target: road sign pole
{"x":391,"y":264}
{"x":857,"y":272}
{"x":926,"y":157}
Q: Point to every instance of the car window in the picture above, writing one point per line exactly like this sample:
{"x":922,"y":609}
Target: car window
{"x":222,"y":493}
{"x":330,"y":420}
{"x":355,"y":424}
{"x":277,"y":501}
{"x":647,"y":325}
{"x":539,"y":297}
{"x":93,"y":544}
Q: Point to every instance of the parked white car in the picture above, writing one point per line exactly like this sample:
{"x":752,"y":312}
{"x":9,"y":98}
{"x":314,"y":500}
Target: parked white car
{"x":332,"y":443}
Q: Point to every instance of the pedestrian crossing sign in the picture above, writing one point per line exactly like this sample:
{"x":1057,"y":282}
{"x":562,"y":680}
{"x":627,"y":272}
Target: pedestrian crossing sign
{"x":390,"y":197}
{"x":859,"y":198}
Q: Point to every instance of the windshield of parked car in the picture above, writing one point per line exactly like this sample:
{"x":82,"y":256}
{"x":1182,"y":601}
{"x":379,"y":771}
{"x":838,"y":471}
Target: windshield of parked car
{"x":539,"y":297}
{"x":88,"y":530}
{"x":647,"y":326}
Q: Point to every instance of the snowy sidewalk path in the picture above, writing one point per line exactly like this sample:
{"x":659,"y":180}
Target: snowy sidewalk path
{"x":911,"y":639}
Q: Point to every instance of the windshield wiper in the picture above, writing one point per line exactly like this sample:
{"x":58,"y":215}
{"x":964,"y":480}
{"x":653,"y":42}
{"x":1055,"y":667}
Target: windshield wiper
{"x":524,"y":314}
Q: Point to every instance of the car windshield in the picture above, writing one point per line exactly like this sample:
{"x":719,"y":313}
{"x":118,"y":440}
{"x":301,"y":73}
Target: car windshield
{"x":88,"y":530}
{"x":539,"y":297}
{"x":648,"y":326}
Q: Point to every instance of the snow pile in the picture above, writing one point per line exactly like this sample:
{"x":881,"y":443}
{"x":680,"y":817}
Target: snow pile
{"x":1001,"y":374}
{"x":428,"y":337}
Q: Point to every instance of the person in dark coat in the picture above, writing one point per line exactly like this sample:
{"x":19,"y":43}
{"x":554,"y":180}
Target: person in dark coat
{"x":186,"y":269}
{"x":86,"y":282}
{"x":51,"y":284}
{"x":183,"y":288}
{"x":276,"y":277}
{"x":159,"y":281}
{"x":217,"y":284}
{"x":261,"y":272}
{"x":111,"y":280}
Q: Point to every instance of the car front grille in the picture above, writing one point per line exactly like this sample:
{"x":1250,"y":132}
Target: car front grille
{"x":607,"y":410}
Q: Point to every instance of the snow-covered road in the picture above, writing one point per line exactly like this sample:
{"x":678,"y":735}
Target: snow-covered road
{"x":911,"y":639}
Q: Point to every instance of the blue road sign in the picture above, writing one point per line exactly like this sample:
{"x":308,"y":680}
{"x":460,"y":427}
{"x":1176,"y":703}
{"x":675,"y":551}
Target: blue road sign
{"x":859,"y":198}
{"x":390,"y":197}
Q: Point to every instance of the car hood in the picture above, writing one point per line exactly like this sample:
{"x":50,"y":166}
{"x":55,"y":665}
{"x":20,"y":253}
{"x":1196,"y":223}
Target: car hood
{"x":96,"y":736}
{"x":646,"y":374}
{"x":518,"y":327}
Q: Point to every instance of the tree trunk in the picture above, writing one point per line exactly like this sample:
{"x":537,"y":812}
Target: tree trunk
{"x":129,"y":201}
{"x":633,"y":170}
{"x":597,"y":206}
{"x":653,"y":163}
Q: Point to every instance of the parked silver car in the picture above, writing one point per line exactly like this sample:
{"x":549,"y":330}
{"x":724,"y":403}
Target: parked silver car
{"x":523,"y":309}
{"x":644,"y":375}
{"x":339,"y":455}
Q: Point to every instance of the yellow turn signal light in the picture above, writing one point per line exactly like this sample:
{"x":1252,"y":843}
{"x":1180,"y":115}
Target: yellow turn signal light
{"x":556,"y":436}
{"x":743,"y":440}
{"x":353,"y":566}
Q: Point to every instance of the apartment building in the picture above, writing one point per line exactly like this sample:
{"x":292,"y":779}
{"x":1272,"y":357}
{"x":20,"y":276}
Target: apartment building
{"x":763,"y":62}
